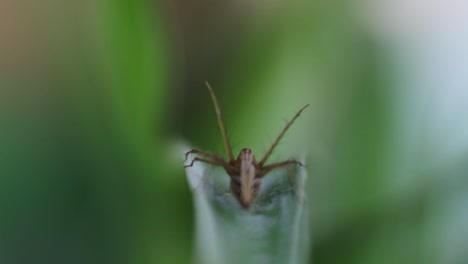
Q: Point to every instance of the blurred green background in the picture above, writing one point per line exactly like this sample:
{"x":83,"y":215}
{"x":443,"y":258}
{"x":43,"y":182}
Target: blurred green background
{"x":97,"y":96}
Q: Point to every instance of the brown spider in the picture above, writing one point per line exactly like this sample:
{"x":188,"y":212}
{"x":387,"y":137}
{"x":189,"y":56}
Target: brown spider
{"x":245,"y":172}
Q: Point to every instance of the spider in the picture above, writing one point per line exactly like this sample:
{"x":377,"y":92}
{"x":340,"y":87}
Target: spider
{"x":245,"y":172}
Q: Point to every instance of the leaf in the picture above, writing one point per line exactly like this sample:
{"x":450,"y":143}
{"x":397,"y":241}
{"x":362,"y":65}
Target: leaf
{"x":273,"y":230}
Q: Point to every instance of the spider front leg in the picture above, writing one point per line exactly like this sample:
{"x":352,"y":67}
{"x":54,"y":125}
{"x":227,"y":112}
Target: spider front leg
{"x":203,"y":160}
{"x":209,"y":158}
{"x":203,"y":153}
{"x":266,"y":169}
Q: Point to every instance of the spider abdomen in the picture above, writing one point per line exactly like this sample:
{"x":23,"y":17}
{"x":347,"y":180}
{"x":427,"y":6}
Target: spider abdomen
{"x":245,"y":194}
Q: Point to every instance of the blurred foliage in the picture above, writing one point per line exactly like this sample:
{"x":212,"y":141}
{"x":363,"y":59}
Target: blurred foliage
{"x":93,"y":95}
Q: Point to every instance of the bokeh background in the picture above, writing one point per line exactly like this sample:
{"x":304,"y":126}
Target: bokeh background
{"x":96,"y":98}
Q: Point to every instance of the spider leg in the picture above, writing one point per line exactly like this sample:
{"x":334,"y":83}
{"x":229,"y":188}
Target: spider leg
{"x":227,"y":145}
{"x":267,"y":169}
{"x":275,"y":143}
{"x":211,"y":159}
{"x":203,"y":153}
{"x":203,"y":160}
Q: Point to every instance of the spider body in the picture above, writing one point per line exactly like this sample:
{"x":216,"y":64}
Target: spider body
{"x":245,"y":172}
{"x":245,"y":182}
